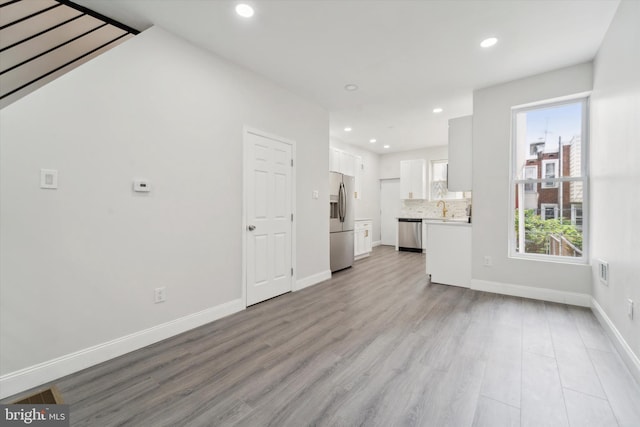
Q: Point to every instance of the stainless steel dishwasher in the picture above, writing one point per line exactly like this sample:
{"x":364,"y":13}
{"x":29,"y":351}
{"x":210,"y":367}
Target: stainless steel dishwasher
{"x":410,"y":234}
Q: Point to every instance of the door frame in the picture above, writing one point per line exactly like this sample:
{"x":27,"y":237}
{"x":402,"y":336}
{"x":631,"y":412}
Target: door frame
{"x":246,"y":175}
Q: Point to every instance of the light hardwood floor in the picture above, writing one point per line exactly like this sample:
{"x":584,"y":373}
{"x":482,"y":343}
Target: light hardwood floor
{"x":377,"y":345}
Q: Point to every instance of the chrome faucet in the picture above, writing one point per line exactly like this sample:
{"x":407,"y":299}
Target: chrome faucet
{"x":444,"y":208}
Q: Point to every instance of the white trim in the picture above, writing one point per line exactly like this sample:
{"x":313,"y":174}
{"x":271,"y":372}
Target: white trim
{"x":245,"y":186}
{"x":42,"y":373}
{"x":566,"y":99}
{"x":544,"y":294}
{"x":314,"y":279}
{"x":376,"y":243}
{"x":630,"y":358}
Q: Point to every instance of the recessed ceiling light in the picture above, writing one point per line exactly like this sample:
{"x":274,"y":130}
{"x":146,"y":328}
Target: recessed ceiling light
{"x":489,"y":42}
{"x":437,"y":110}
{"x":351,"y":87}
{"x":244,"y":10}
{"x":347,"y":129}
{"x":372,"y":141}
{"x":386,"y":146}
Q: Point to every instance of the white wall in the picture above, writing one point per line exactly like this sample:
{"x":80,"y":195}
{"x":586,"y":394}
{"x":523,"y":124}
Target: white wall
{"x":79,"y":264}
{"x":491,"y":155}
{"x":615,"y":170}
{"x":390,"y":163}
{"x":369,"y":205}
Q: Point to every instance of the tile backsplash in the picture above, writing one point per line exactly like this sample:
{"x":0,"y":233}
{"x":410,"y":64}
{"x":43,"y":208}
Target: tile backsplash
{"x":427,"y":208}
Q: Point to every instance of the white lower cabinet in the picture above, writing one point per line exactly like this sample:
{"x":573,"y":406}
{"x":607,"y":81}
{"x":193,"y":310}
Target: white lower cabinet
{"x":449,"y":254}
{"x":362,"y":239}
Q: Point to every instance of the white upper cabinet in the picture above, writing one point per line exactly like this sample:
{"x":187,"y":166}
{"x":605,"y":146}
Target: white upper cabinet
{"x":341,"y":161}
{"x":334,"y":160}
{"x":460,"y":146}
{"x":413,"y":179}
{"x":348,"y":163}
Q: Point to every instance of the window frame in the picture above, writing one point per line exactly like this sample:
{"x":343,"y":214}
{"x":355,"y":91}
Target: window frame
{"x":514,"y":181}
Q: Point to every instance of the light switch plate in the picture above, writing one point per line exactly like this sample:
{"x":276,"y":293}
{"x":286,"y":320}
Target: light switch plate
{"x":48,"y":178}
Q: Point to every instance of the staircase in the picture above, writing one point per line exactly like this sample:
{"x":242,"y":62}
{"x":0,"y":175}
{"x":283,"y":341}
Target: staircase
{"x":40,"y":40}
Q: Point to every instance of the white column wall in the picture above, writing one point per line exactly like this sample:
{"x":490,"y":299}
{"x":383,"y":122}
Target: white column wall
{"x":491,"y":158}
{"x":615,"y":171}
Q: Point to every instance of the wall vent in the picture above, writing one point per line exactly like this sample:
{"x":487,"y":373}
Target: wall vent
{"x":43,"y":397}
{"x":603,"y":271}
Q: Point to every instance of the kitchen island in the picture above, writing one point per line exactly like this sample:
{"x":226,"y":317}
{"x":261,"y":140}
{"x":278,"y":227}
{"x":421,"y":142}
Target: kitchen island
{"x":449,"y":251}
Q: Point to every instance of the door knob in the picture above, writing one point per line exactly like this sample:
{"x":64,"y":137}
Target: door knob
{"x":251,"y":227}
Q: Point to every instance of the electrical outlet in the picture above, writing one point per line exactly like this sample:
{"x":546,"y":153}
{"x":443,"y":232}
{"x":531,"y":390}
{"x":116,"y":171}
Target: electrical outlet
{"x":630,"y":308}
{"x":48,"y":178}
{"x":487,"y":261}
{"x":160,"y":295}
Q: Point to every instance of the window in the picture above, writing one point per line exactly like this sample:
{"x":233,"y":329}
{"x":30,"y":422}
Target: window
{"x":549,"y":211}
{"x":535,"y":148}
{"x":576,"y":215}
{"x":550,"y":170}
{"x":438,"y":179}
{"x":531,"y":173}
{"x":549,"y":181}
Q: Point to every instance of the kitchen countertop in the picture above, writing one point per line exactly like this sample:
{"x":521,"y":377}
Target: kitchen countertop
{"x":432,"y":220}
{"x":363,"y":219}
{"x":456,"y":222}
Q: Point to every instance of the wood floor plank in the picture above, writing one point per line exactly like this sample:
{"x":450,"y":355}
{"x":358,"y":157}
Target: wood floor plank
{"x":577,"y":372}
{"x":491,"y":413}
{"x":623,"y":393}
{"x":542,"y":399}
{"x":458,"y":392}
{"x":591,"y":332}
{"x":588,"y":411}
{"x":536,"y":335}
{"x":377,"y":345}
{"x":503,"y":380}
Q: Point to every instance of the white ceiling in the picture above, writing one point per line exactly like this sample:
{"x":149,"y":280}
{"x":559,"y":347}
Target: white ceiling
{"x":407,"y":57}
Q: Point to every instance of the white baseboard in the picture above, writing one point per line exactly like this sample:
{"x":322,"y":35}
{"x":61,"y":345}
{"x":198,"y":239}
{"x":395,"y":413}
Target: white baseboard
{"x":312,"y":280}
{"x":627,"y":354}
{"x":42,"y":373}
{"x":376,"y":243}
{"x":544,"y":294}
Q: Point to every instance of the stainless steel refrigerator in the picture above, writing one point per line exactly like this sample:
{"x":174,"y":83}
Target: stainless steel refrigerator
{"x":341,"y":220}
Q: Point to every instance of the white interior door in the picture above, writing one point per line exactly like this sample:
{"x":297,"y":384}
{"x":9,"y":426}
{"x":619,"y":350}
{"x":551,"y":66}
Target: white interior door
{"x":389,"y":210}
{"x":269,"y":223}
